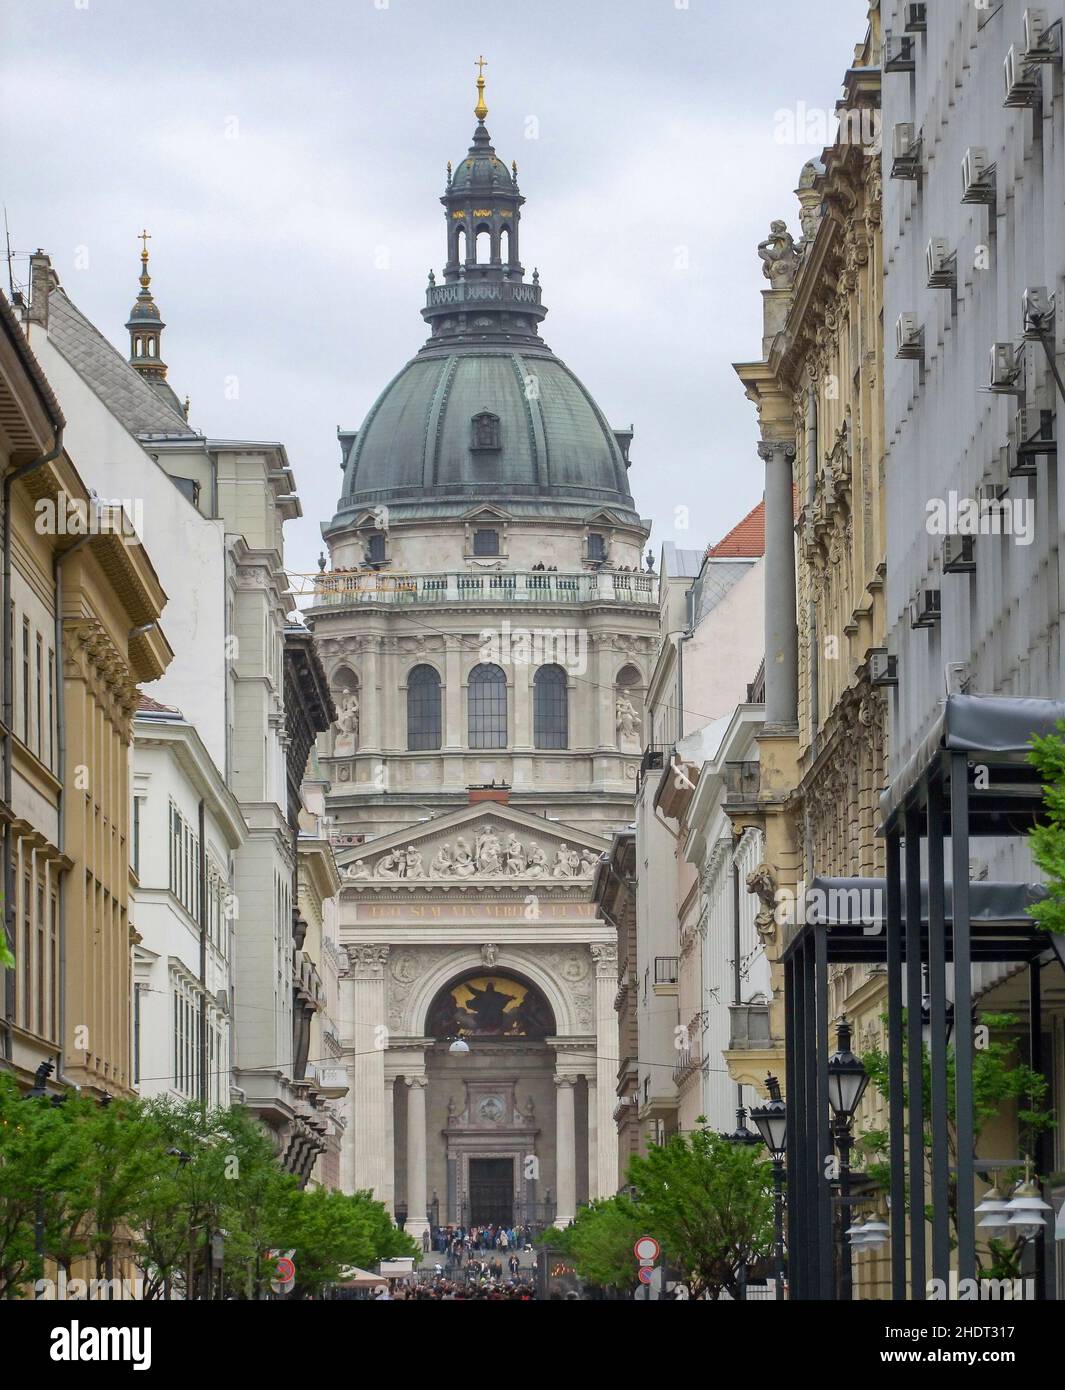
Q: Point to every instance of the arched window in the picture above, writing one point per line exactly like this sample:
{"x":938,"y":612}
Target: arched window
{"x":550,"y":708}
{"x":483,"y":245}
{"x":423,"y":709}
{"x":460,"y":246}
{"x":504,"y":245}
{"x":488,"y":707}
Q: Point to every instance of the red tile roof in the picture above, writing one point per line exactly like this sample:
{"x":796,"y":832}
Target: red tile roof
{"x":746,"y":541}
{"x":154,"y":707}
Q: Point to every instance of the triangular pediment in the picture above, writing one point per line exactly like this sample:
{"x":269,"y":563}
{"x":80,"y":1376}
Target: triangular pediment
{"x":487,"y":842}
{"x":485,"y":511}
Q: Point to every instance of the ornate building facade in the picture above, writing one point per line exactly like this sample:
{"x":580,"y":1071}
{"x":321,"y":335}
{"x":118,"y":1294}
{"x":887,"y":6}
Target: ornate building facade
{"x":487,"y":633}
{"x":818,"y":391}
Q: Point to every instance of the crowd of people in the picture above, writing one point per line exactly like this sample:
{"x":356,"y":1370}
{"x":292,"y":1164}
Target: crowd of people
{"x":440,"y":1289}
{"x":460,"y":1242}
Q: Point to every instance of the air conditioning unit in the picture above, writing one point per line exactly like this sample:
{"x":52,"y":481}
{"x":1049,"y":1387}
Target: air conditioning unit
{"x":883,"y":667}
{"x":909,"y":340}
{"x":1038,"y":308}
{"x":1007,"y":370}
{"x":941,"y":264}
{"x":989,"y":494}
{"x":899,"y":53}
{"x":958,"y":554}
{"x":916,"y":18}
{"x":1033,"y":435}
{"x":905,"y":151}
{"x":1040,"y":41}
{"x":1023,"y":85}
{"x":977,"y":176}
{"x":925,"y":609}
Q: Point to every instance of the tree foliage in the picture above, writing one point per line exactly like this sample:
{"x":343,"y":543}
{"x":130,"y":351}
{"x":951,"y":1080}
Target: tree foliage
{"x":154,"y":1180}
{"x":1048,"y":838}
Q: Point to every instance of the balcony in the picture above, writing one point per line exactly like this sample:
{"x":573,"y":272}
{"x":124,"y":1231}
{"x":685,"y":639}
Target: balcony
{"x":667,"y":970}
{"x":476,"y":292}
{"x":529,"y":588}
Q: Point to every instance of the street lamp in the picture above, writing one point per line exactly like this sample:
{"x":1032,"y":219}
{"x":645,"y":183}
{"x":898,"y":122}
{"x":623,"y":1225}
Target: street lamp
{"x":926,"y":1022}
{"x":847,"y":1080}
{"x":771,"y":1120}
{"x":741,"y":1134}
{"x":1026,"y":1207}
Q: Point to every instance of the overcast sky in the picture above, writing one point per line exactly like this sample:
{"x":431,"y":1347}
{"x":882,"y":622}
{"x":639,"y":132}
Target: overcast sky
{"x":287,"y":159}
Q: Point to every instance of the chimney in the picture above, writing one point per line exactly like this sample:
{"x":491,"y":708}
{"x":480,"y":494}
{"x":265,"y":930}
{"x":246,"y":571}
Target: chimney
{"x":43,"y":280}
{"x":500,"y":794}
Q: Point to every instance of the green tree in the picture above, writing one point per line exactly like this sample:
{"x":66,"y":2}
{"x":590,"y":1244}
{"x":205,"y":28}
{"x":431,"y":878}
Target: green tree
{"x":329,"y":1230}
{"x":1047,"y":839}
{"x":600,"y":1241}
{"x":709,"y":1203}
{"x":999,"y":1079}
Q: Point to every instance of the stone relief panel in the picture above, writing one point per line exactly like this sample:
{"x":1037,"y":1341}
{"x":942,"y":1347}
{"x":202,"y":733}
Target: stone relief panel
{"x":493,"y":852}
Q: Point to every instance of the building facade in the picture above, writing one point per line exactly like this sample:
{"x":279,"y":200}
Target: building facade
{"x":487,"y":633}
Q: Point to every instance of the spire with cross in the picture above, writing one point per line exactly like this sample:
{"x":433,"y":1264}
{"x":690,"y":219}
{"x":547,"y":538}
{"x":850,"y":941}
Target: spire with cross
{"x":480,"y":110}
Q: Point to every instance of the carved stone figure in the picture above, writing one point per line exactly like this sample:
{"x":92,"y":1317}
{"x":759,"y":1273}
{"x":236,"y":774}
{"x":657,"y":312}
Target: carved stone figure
{"x":589,"y":862}
{"x":464,"y":865}
{"x":517,"y":860}
{"x":442,"y":864}
{"x":357,"y":870}
{"x":489,"y":954}
{"x":537,"y":866}
{"x":567,"y":862}
{"x":626,"y":718}
{"x":414,"y":868}
{"x":778,"y":255}
{"x":762,"y":882}
{"x":392,"y":865}
{"x":488,"y":852}
{"x":348,"y":723}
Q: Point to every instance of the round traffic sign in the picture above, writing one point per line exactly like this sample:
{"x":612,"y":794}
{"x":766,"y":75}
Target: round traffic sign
{"x":646,"y":1274}
{"x":285,"y":1270}
{"x":647,"y":1248}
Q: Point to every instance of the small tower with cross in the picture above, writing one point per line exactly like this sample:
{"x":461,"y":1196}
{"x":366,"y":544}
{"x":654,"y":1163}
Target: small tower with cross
{"x":145,"y":325}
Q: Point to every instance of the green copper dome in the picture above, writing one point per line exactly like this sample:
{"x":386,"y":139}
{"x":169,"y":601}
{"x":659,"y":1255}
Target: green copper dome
{"x":485,"y":411}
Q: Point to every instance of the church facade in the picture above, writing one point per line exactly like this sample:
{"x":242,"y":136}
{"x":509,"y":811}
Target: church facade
{"x":488,"y":631}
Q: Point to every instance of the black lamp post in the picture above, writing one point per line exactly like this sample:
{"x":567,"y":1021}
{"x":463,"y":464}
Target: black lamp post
{"x":847,"y":1080}
{"x":771,"y":1120}
{"x":744,"y":1137}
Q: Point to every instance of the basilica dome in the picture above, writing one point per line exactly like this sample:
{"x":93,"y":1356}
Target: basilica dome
{"x":485,"y":411}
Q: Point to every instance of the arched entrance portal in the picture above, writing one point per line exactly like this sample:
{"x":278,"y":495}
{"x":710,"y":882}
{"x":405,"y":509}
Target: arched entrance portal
{"x":492,"y":1113}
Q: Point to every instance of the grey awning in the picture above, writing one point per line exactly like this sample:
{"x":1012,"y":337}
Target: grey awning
{"x":1000,"y":728}
{"x":862,"y":902}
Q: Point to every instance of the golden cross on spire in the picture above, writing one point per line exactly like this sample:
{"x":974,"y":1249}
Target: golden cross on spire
{"x":144,"y":237}
{"x":480,"y":110}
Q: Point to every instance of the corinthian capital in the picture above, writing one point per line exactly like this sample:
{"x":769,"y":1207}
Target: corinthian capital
{"x":367,"y":962}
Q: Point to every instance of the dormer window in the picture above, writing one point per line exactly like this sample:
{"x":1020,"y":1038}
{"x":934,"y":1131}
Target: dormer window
{"x":486,"y":542}
{"x":596,"y":547}
{"x":485,"y":434}
{"x":375,"y":548}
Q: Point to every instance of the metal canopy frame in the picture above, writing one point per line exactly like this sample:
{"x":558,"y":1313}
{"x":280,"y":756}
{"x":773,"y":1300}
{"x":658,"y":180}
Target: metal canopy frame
{"x":972,"y":772}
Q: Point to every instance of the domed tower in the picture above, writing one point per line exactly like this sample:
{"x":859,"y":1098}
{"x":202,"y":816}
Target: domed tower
{"x":486,"y":521}
{"x":145,"y":327}
{"x":488,"y":633}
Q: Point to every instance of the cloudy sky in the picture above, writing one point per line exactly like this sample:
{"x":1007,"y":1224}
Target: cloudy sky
{"x":287,"y":158}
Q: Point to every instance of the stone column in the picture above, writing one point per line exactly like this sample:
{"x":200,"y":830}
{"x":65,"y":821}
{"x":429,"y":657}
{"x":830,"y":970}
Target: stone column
{"x":781,"y":634}
{"x":521,"y":678}
{"x":367,"y":974}
{"x":453,"y":734}
{"x":603,"y":1176}
{"x":371,"y":735}
{"x":565,"y":1151}
{"x":605,"y":730}
{"x":417,"y":1190}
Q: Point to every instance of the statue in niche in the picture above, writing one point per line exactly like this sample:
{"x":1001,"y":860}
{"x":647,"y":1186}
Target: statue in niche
{"x":347,"y":724}
{"x":762,"y":883}
{"x":489,"y":954}
{"x":778,"y":255}
{"x":442,"y":864}
{"x":627,"y":722}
